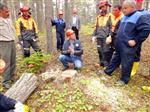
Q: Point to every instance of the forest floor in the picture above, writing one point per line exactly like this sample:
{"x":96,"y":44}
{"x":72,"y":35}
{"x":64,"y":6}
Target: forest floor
{"x":89,"y":91}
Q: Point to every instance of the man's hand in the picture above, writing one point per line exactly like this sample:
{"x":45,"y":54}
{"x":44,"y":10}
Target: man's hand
{"x":131,"y":43}
{"x":109,"y":40}
{"x":93,"y":39}
{"x":71,"y":50}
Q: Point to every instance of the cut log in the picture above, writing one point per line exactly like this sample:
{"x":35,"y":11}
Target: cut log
{"x":22,"y":89}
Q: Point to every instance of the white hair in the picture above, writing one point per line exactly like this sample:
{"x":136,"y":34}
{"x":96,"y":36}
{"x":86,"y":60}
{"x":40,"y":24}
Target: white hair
{"x":131,"y":3}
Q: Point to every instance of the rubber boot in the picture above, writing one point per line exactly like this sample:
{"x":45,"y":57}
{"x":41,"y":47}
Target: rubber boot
{"x":134,"y":68}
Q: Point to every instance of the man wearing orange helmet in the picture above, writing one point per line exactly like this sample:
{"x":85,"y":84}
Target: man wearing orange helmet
{"x":75,"y":23}
{"x":102,"y":30}
{"x":60,"y":24}
{"x":27,"y":31}
{"x":7,"y":46}
{"x":72,"y":51}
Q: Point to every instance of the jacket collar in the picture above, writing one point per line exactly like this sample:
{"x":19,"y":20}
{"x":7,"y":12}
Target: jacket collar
{"x":131,"y":14}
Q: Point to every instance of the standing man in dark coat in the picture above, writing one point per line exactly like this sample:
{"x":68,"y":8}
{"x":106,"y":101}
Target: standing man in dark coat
{"x":60,"y":24}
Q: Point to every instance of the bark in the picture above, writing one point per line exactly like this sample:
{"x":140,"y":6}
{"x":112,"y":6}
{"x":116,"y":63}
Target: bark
{"x":48,"y":16}
{"x":22,"y":89}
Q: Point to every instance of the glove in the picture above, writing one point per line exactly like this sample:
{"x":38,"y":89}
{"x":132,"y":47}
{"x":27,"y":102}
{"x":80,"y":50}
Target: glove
{"x":93,"y":39}
{"x":19,"y":107}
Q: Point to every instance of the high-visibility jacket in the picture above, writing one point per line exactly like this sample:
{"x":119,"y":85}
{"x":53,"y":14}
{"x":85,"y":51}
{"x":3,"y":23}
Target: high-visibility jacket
{"x":25,"y":24}
{"x":103,"y":25}
{"x":115,"y":21}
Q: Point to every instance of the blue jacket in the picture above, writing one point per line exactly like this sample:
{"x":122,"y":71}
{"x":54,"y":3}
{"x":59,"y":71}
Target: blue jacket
{"x":135,"y":26}
{"x":6,"y":104}
{"x":78,"y":51}
{"x":60,"y":25}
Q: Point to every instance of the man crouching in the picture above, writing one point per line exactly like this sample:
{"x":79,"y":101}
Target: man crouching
{"x":71,"y":52}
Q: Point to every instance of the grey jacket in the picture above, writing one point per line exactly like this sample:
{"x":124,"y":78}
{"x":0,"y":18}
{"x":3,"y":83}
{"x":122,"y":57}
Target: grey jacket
{"x":78,"y":22}
{"x":103,"y":31}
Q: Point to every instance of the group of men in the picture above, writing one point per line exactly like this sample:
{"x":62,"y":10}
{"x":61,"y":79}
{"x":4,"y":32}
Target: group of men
{"x":71,"y":49}
{"x":27,"y":33}
{"x":119,"y":40}
{"x":120,"y":37}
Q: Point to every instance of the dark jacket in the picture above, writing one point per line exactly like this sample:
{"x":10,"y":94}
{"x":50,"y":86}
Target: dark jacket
{"x":6,"y":104}
{"x":103,"y":30}
{"x":78,"y":51}
{"x":60,"y":25}
{"x":135,"y":26}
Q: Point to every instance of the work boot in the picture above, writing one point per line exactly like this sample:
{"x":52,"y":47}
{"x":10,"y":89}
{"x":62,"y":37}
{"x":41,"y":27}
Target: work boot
{"x":6,"y":85}
{"x":103,"y":75}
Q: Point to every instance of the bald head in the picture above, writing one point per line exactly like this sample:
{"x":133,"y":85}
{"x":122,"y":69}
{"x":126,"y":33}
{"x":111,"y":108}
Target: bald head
{"x":129,"y":6}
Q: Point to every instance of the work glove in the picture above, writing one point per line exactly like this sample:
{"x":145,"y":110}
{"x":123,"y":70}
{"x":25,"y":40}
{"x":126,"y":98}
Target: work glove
{"x":93,"y":39}
{"x":19,"y":107}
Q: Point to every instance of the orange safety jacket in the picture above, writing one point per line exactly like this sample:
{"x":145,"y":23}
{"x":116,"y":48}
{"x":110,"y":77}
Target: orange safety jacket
{"x":103,"y":25}
{"x":115,"y":21}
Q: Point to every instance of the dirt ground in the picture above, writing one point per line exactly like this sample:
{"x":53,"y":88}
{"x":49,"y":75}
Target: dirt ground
{"x":91,"y":92}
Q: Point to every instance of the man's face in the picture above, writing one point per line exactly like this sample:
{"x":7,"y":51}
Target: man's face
{"x":127,"y":9}
{"x":116,"y":12}
{"x":25,"y":13}
{"x":103,"y":8}
{"x":4,"y":12}
{"x":60,"y":16}
{"x":72,"y":37}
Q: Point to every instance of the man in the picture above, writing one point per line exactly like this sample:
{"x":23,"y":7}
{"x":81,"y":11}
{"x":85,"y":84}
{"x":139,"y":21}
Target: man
{"x":60,"y":30}
{"x":76,"y":23}
{"x":71,"y":52}
{"x":27,"y":31}
{"x":138,"y":52}
{"x":7,"y":45}
{"x":134,"y":27}
{"x":11,"y":105}
{"x":117,"y":16}
{"x":102,"y":31}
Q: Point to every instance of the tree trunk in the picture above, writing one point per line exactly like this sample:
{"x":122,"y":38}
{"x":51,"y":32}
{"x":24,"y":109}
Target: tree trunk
{"x":67,"y":13}
{"x":40,"y":15}
{"x":48,"y":15}
{"x":22,"y":89}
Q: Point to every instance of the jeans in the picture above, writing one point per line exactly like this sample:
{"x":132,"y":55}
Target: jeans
{"x":71,"y":59}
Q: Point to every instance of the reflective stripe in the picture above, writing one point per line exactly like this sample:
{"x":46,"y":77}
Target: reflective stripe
{"x":27,"y":49}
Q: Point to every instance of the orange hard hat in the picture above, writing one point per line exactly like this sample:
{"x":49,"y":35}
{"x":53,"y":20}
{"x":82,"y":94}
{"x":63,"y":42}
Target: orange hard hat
{"x":103,"y":3}
{"x":2,"y":65}
{"x":69,"y":32}
{"x":74,"y":10}
{"x":60,"y":13}
{"x":24,"y":9}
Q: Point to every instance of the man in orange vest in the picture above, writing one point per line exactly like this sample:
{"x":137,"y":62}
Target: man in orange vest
{"x":115,"y":25}
{"x":102,"y":30}
{"x":27,"y":31}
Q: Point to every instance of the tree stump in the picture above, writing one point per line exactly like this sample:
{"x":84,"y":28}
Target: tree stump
{"x":22,"y":89}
